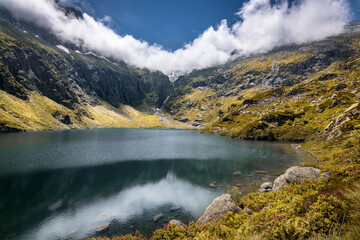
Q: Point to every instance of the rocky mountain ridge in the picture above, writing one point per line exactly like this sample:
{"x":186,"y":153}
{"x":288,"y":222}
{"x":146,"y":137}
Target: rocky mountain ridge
{"x":255,"y":97}
{"x":73,"y":79}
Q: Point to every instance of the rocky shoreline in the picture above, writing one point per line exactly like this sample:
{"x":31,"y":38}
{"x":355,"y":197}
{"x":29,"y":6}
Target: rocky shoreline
{"x":221,"y":205}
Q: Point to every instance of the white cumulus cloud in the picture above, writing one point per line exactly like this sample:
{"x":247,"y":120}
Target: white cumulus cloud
{"x":261,"y":27}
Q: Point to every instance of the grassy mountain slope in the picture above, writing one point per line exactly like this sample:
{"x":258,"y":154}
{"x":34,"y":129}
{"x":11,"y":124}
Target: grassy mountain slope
{"x":277,"y":95}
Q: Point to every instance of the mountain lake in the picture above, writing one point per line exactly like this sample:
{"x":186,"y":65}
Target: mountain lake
{"x":65,"y":184}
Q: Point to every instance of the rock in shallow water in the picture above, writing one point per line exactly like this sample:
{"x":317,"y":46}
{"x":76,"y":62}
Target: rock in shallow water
{"x":219,"y":207}
{"x":237,"y":173}
{"x":103,"y":228}
{"x":212,"y":184}
{"x":158,"y":217}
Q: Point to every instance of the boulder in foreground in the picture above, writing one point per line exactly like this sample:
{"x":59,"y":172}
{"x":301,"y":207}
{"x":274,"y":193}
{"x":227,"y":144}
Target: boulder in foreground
{"x":219,"y":207}
{"x":296,"y":175}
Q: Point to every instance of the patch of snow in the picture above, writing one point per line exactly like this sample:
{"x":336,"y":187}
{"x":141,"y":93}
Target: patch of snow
{"x":91,"y":53}
{"x":77,"y":51}
{"x":63,"y":48}
{"x":106,"y":59}
{"x":102,"y":57}
{"x":25,"y":31}
{"x":37,"y":36}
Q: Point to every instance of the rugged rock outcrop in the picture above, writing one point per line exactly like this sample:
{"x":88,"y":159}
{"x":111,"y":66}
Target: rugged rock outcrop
{"x":218,"y":208}
{"x":342,"y":123}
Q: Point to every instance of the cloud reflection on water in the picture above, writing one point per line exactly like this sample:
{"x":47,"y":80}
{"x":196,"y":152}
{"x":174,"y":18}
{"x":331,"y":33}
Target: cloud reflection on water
{"x":129,"y":203}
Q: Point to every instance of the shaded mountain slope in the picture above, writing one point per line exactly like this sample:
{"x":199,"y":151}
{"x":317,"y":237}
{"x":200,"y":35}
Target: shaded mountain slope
{"x":73,"y":81}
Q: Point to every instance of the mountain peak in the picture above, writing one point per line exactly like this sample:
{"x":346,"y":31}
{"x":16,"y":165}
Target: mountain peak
{"x":70,"y":11}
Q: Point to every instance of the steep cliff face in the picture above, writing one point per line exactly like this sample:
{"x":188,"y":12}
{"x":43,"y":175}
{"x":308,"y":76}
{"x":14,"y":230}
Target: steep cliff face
{"x":65,"y":76}
{"x":73,"y":79}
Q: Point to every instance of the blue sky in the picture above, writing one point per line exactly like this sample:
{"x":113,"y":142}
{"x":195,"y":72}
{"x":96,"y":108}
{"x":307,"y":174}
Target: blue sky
{"x":170,"y":23}
{"x":153,"y":33}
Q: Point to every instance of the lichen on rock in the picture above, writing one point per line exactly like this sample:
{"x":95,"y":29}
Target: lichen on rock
{"x":296,"y":175}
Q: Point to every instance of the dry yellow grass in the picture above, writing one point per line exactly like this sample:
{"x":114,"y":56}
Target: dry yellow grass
{"x":36,"y":113}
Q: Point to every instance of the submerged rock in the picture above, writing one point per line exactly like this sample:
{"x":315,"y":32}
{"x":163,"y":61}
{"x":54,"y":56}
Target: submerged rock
{"x":212,"y":184}
{"x":158,"y":217}
{"x":174,"y":209}
{"x":237,"y":173}
{"x":296,"y":175}
{"x":219,"y":207}
{"x":103,"y":228}
{"x":266,"y":187}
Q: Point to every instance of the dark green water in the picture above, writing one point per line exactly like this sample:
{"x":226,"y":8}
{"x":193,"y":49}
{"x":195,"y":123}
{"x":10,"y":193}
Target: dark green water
{"x":65,"y":184}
